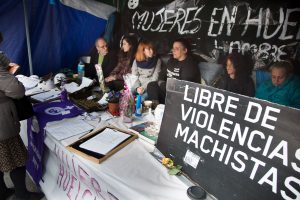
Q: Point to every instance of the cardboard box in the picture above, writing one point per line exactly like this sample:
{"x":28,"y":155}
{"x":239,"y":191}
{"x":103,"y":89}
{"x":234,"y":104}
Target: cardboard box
{"x":95,"y":157}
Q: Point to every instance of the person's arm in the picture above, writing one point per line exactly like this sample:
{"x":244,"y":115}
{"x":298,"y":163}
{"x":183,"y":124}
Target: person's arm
{"x":13,"y":89}
{"x":4,"y":60}
{"x":134,"y":71}
{"x":13,"y":68}
{"x":11,"y":86}
{"x":123,"y":67}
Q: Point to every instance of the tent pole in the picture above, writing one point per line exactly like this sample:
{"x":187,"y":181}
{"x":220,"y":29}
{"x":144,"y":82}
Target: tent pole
{"x":27,"y":36}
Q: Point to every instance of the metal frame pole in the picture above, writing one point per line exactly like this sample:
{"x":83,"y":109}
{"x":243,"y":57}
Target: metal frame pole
{"x":27,"y":36}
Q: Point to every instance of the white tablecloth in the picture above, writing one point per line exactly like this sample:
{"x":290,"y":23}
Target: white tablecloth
{"x":131,"y":173}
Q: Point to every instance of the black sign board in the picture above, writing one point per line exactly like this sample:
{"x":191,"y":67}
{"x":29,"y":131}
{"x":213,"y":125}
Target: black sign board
{"x":234,"y":146}
{"x":267,"y":30}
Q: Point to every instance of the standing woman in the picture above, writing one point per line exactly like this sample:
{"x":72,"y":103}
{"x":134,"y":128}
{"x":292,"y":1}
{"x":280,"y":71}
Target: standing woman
{"x":13,"y":153}
{"x":115,"y":80}
{"x":146,"y":66}
{"x":237,"y":77}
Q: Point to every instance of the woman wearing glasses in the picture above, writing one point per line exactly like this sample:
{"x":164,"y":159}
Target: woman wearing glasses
{"x":180,"y":66}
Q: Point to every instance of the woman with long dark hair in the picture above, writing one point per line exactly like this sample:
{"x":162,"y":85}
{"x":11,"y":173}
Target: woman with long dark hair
{"x":237,"y":77}
{"x":126,"y":55}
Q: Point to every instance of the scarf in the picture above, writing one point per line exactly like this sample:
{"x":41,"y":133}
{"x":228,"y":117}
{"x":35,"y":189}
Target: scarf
{"x":147,"y":64}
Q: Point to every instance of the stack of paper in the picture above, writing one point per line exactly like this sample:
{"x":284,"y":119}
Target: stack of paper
{"x":35,"y":90}
{"x":28,"y":82}
{"x":104,"y":141}
{"x":67,"y":128}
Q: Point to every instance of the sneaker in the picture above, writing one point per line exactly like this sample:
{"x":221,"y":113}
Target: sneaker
{"x":29,"y":196}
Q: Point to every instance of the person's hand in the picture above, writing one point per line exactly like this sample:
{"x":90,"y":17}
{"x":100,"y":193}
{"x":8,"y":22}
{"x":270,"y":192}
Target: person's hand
{"x":140,"y":90}
{"x":13,"y":68}
{"x":109,"y":78}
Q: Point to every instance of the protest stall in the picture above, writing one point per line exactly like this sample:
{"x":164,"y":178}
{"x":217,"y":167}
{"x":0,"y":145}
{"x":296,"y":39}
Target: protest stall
{"x":231,"y":146}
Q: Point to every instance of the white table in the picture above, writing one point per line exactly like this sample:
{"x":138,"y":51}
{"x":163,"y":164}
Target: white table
{"x":131,"y":173}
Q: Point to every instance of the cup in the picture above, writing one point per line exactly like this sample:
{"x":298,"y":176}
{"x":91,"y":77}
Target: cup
{"x":147,"y":105}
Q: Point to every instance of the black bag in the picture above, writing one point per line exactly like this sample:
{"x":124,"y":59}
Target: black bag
{"x":24,"y":108}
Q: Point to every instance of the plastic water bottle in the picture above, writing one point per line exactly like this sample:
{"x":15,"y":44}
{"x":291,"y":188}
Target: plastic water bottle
{"x":80,"y":70}
{"x":138,"y":106}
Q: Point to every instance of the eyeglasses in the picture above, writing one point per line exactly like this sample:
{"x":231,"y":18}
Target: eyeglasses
{"x":102,"y":47}
{"x":176,"y":49}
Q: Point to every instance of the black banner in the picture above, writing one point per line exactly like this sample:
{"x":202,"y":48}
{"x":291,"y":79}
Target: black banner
{"x":235,"y":147}
{"x":268,"y":30}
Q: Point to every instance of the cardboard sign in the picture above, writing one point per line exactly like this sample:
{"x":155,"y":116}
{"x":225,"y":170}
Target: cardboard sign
{"x":234,"y":146}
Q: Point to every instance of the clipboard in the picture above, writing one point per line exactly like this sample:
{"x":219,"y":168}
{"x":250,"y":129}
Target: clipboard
{"x":96,"y":157}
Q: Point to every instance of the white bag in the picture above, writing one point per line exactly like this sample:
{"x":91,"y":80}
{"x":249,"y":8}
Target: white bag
{"x":131,"y":81}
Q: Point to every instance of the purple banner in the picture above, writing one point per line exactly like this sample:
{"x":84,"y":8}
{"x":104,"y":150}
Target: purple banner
{"x":44,"y":113}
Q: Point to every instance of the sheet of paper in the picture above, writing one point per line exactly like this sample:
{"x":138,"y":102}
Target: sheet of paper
{"x":46,"y":96}
{"x":67,"y":128}
{"x":35,"y":90}
{"x":85,"y":82}
{"x":71,"y":87}
{"x":105,"y":141}
{"x":28,"y":82}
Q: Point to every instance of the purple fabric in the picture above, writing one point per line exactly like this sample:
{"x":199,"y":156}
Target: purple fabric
{"x":45,"y":112}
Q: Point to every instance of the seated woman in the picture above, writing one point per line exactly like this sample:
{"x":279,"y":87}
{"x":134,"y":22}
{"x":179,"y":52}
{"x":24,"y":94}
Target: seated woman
{"x":125,"y":58}
{"x":237,"y":78}
{"x":181,"y":66}
{"x":283,"y":88}
{"x":146,"y":66}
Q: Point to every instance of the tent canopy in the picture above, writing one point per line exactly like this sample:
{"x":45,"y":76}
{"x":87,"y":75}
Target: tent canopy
{"x":60,"y":32}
